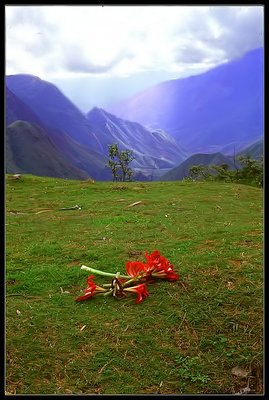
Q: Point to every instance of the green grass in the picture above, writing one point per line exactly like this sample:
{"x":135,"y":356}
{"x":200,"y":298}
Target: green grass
{"x":184,"y":338}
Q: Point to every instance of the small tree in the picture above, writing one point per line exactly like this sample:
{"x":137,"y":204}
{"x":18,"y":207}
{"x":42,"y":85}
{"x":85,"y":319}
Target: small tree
{"x":199,"y":172}
{"x":119,"y":163}
{"x":252,"y":170}
{"x":222,"y":172}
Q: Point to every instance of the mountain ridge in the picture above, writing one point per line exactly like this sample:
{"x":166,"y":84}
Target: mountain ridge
{"x":157,"y":144}
{"x":30,"y":150}
{"x":218,"y":111}
{"x":255,"y":151}
{"x":182,"y":170}
{"x":153,"y":149}
{"x":208,"y":111}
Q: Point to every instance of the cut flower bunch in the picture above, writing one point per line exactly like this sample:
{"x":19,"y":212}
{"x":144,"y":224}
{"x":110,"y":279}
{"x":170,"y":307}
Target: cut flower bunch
{"x":156,"y":267}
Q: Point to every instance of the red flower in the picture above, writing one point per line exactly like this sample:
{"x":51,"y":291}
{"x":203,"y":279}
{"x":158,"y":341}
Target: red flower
{"x":135,"y":268}
{"x":158,"y":266}
{"x":91,"y":290}
{"x":140,"y":290}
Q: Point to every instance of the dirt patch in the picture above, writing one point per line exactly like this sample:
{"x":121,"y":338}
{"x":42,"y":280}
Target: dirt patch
{"x":138,"y":187}
{"x":254,"y":232}
{"x":235,"y":263}
{"x":207,"y":245}
{"x":119,"y":188}
{"x":74,"y":263}
{"x":136,"y":254}
{"x":250,"y":243}
{"x":212,"y":272}
{"x":11,"y":282}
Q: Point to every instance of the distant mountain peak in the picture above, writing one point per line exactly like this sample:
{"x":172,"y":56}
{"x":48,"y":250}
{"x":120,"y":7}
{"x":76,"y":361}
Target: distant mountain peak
{"x":205,"y":112}
{"x":85,"y":139}
{"x":217,"y":112}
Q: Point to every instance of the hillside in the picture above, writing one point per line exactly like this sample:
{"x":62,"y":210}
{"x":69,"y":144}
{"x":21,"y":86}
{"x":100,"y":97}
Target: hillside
{"x":53,"y":108}
{"x":16,"y":110}
{"x":182,"y":170}
{"x":255,"y":150}
{"x":207,"y":112}
{"x":77,"y":156}
{"x":30,"y":151}
{"x":152,"y":149}
{"x":84,"y":139}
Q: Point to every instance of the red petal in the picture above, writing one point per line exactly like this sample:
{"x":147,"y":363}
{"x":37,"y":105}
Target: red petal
{"x":84,"y":297}
{"x":133,"y":268}
{"x":89,"y":280}
{"x":142,"y":293}
{"x":89,"y":291}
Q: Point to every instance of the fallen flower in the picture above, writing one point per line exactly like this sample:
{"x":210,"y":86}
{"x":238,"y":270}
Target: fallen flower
{"x":135,"y":269}
{"x":91,"y":290}
{"x":140,"y":290}
{"x":157,"y":266}
{"x":116,"y":288}
{"x":139,"y":273}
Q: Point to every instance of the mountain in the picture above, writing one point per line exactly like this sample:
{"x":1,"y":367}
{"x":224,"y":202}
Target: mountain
{"x":84,"y":139}
{"x":82,"y":156}
{"x":30,"y":151}
{"x":53,"y":108}
{"x":255,"y":150}
{"x":218,"y":109}
{"x":16,"y":110}
{"x":182,"y":170}
{"x":153,"y":149}
{"x":76,"y":155}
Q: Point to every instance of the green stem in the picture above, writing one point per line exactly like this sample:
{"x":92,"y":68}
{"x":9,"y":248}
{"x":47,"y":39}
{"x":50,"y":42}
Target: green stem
{"x":128,"y":282}
{"x":98,"y":272}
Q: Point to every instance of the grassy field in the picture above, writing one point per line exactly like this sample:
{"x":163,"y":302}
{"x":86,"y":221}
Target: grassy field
{"x":186,"y":337}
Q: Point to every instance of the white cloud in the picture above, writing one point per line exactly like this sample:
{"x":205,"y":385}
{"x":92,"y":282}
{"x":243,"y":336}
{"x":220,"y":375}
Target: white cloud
{"x":51,"y":40}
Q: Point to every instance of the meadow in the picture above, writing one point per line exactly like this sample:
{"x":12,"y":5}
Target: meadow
{"x":201,"y":334}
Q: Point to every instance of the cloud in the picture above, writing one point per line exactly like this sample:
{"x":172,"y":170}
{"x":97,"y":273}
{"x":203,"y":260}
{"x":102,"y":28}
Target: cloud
{"x":219,"y":33}
{"x":241,"y":29}
{"x":126,"y":39}
{"x":75,"y":59}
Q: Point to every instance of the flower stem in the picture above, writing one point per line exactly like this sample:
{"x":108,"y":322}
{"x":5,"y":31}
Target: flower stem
{"x":108,"y":293}
{"x":98,"y":272}
{"x":128,"y":282}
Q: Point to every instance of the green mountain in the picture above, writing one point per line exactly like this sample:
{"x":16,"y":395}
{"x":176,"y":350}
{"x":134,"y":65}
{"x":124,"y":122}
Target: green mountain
{"x":81,"y":156}
{"x":78,"y":155}
{"x":30,"y":150}
{"x":182,"y":170}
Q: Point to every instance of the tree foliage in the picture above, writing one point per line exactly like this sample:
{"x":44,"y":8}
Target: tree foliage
{"x":119,"y":163}
{"x":251,"y":172}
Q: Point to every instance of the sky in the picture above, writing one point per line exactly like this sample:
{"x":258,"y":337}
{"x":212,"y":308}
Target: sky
{"x":100,"y":54}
